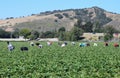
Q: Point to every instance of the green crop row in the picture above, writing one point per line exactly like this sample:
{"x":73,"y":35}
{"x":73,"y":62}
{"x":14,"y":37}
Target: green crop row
{"x":59,"y":62}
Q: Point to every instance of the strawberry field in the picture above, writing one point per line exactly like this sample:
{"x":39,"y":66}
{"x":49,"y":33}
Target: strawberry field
{"x":59,"y":62}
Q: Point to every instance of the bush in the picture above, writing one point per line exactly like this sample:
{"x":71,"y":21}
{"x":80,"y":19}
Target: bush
{"x":59,"y":16}
{"x":66,"y":15}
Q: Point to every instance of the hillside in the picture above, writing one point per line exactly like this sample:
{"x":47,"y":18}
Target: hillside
{"x":53,"y":20}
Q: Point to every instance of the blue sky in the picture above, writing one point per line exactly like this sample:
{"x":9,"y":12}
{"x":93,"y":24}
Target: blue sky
{"x":17,"y":8}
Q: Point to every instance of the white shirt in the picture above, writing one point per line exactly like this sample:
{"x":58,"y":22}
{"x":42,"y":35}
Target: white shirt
{"x":10,"y":47}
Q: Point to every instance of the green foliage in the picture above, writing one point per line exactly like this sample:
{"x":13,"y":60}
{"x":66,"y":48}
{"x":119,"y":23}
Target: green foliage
{"x":59,"y":16}
{"x":48,"y":34}
{"x":62,"y":29}
{"x":66,"y":15}
{"x":34,"y":35}
{"x":4,"y":34}
{"x":16,"y":33}
{"x":97,"y":28}
{"x":25,"y":32}
{"x":75,"y":34}
{"x":56,"y":62}
{"x":88,"y":27}
{"x":67,"y":36}
{"x":62,"y":36}
{"x":61,"y":33}
{"x":108,"y":37}
{"x":87,"y":16}
{"x":109,"y":31}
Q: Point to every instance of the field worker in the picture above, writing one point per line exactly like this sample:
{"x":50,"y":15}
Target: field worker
{"x":31,"y":44}
{"x":84,"y":44}
{"x":73,"y":43}
{"x":49,"y":43}
{"x":95,"y":44}
{"x":10,"y":46}
{"x":87,"y":44}
{"x":116,"y":45}
{"x":80,"y":44}
{"x":63,"y":45}
{"x":40,"y":46}
{"x":106,"y":44}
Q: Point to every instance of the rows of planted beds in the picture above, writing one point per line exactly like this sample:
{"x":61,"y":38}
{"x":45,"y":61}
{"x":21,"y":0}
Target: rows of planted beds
{"x":59,"y":62}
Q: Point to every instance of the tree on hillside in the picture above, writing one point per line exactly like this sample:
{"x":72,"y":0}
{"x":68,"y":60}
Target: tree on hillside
{"x":25,"y":32}
{"x":76,"y":33}
{"x":59,"y":16}
{"x":4,"y":34}
{"x":66,"y":15}
{"x":34,"y":35}
{"x":47,"y":34}
{"x":88,"y":27}
{"x":16,"y":33}
{"x":79,"y":23}
{"x":97,"y":28}
{"x":109,"y":31}
{"x":62,"y":29}
{"x":61,"y":33}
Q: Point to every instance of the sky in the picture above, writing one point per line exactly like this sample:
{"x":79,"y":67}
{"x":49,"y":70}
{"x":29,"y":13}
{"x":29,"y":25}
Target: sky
{"x":17,"y":8}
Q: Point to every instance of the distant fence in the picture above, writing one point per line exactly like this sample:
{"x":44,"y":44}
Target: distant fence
{"x":22,"y":39}
{"x":12,"y":39}
{"x":49,"y":39}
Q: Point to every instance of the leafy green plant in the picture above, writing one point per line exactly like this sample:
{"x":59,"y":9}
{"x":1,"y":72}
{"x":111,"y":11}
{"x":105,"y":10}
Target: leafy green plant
{"x":57,"y":62}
